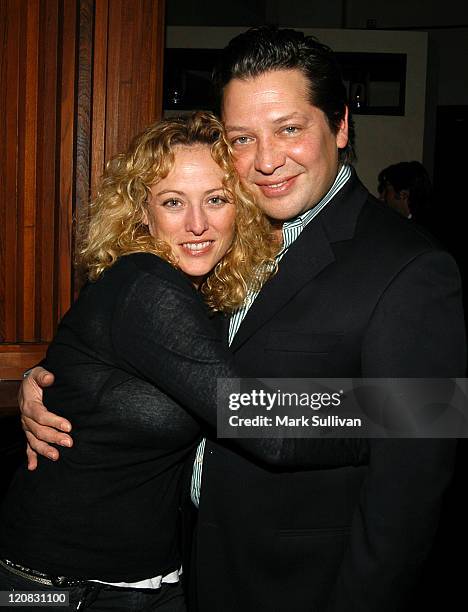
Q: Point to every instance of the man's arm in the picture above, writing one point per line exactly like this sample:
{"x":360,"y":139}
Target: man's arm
{"x":184,"y":361}
{"x":41,"y":426}
{"x":187,"y":360}
{"x":416,"y":331}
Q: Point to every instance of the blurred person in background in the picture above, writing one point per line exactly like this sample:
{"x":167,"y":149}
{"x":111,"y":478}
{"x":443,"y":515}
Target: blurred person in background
{"x":407,"y":188}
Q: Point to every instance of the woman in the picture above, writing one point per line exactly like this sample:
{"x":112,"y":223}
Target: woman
{"x":134,"y":349}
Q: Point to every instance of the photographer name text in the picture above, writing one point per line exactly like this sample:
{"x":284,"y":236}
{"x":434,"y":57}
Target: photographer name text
{"x":286,"y":421}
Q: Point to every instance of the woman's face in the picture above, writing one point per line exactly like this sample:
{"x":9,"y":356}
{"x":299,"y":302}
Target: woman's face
{"x":190,"y":211}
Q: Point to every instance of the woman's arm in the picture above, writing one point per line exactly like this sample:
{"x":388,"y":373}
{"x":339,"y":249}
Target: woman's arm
{"x":161,"y":333}
{"x":166,"y":337}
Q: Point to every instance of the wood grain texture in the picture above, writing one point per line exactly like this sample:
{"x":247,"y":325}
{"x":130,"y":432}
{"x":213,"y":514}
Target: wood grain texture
{"x":134,"y":70}
{"x":78,"y":80}
{"x":157,"y":53}
{"x":83,"y":125}
{"x":99,"y":110}
{"x":46,"y":177}
{"x":27,"y":234}
{"x":31,"y":34}
{"x":84,"y":94}
{"x":9,"y":92}
{"x":16,"y":358}
{"x":3,"y":58}
{"x":66,"y":155}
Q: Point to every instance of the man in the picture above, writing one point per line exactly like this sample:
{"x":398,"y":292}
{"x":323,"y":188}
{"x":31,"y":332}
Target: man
{"x":358,"y":293}
{"x":406,"y":187}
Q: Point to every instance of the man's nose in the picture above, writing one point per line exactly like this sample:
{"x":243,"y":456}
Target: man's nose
{"x":196,"y":220}
{"x":268,"y":158}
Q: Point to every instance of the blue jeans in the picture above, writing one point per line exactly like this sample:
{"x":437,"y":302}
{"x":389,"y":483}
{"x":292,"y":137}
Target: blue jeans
{"x":101,"y":598}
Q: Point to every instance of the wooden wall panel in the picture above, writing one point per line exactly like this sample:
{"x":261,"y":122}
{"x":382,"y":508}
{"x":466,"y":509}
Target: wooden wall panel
{"x":46,"y":181}
{"x":27,"y":156}
{"x":10,"y":17}
{"x":38,"y":37}
{"x":99,"y":115}
{"x":128,"y":67}
{"x":83,"y":121}
{"x":78,"y":80}
{"x":66,"y":160}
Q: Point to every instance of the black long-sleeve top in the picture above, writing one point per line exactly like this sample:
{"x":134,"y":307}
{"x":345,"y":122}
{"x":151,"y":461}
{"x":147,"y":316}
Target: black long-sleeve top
{"x":136,"y":361}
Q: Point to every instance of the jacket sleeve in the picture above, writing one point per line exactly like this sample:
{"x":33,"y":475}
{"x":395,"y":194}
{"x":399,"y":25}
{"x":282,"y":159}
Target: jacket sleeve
{"x":161,"y":333}
{"x":417,"y":331}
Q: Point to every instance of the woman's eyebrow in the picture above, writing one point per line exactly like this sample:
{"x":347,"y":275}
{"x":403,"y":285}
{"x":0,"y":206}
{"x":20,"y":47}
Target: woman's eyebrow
{"x":164,"y":191}
{"x":182,"y":193}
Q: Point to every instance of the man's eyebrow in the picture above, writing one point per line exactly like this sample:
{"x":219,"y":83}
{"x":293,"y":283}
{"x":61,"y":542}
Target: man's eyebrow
{"x":283,"y":118}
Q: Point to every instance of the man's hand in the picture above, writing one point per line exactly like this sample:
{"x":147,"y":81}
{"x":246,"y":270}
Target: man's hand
{"x":40,"y":425}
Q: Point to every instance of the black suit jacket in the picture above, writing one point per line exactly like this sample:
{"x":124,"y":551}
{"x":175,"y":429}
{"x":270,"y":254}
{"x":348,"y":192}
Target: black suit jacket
{"x":360,"y":293}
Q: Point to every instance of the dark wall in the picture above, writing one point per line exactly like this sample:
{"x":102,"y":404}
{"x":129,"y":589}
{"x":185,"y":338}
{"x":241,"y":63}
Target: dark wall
{"x":215,"y":13}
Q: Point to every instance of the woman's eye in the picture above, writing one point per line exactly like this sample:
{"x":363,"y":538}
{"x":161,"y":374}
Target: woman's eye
{"x":172,"y":203}
{"x":217,"y":201}
{"x":241,"y":140}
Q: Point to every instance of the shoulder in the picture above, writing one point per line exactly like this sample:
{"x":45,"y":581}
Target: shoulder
{"x":139,"y":266}
{"x":376,"y":216}
{"x":138,"y":276}
{"x":376,"y":238}
{"x":390,"y":236}
{"x":357,"y":217}
{"x":147,"y":280}
{"x":407,"y":258}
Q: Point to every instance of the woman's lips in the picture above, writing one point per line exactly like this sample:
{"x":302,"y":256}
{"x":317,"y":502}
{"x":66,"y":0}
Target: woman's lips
{"x":196,"y":249}
{"x":278,"y":188}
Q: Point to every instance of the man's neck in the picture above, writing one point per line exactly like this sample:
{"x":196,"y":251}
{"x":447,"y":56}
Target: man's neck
{"x":277,"y":224}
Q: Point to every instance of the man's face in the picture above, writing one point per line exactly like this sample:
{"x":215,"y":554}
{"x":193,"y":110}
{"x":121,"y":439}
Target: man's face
{"x":285,"y":151}
{"x":398,"y":200}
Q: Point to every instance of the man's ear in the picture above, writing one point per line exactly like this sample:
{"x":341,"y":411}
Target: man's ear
{"x":342,"y":134}
{"x":403,"y":195}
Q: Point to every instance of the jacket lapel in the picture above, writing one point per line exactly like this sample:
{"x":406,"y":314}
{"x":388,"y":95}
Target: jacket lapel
{"x":298,"y":266}
{"x":306,"y":258}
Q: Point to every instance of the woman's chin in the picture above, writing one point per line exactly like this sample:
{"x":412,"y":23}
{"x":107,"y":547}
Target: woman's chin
{"x":197,"y":271}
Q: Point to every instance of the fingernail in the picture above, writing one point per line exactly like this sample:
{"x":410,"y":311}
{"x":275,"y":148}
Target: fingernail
{"x":65,"y":443}
{"x":52,"y":456}
{"x":65,"y":427}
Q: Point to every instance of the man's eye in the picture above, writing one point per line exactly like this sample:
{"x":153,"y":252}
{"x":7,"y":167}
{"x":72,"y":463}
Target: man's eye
{"x":172,"y":203}
{"x":291,"y":129}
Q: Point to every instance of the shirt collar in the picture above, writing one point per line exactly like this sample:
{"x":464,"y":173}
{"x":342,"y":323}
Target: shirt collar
{"x":293,"y":228}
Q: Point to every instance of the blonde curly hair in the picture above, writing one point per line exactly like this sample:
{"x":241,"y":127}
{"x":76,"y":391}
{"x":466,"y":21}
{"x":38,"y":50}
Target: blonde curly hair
{"x":115,"y":226}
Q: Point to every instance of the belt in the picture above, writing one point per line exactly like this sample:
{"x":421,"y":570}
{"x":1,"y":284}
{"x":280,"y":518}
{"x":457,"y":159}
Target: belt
{"x":39,"y":577}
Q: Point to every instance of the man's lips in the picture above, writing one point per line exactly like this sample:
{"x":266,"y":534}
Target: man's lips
{"x":197,"y":248}
{"x":278,"y":187}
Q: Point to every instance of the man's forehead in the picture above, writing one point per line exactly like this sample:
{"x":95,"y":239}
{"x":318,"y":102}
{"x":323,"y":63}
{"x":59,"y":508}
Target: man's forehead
{"x":284,"y":90}
{"x":231,"y":126}
{"x":281,"y":78}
